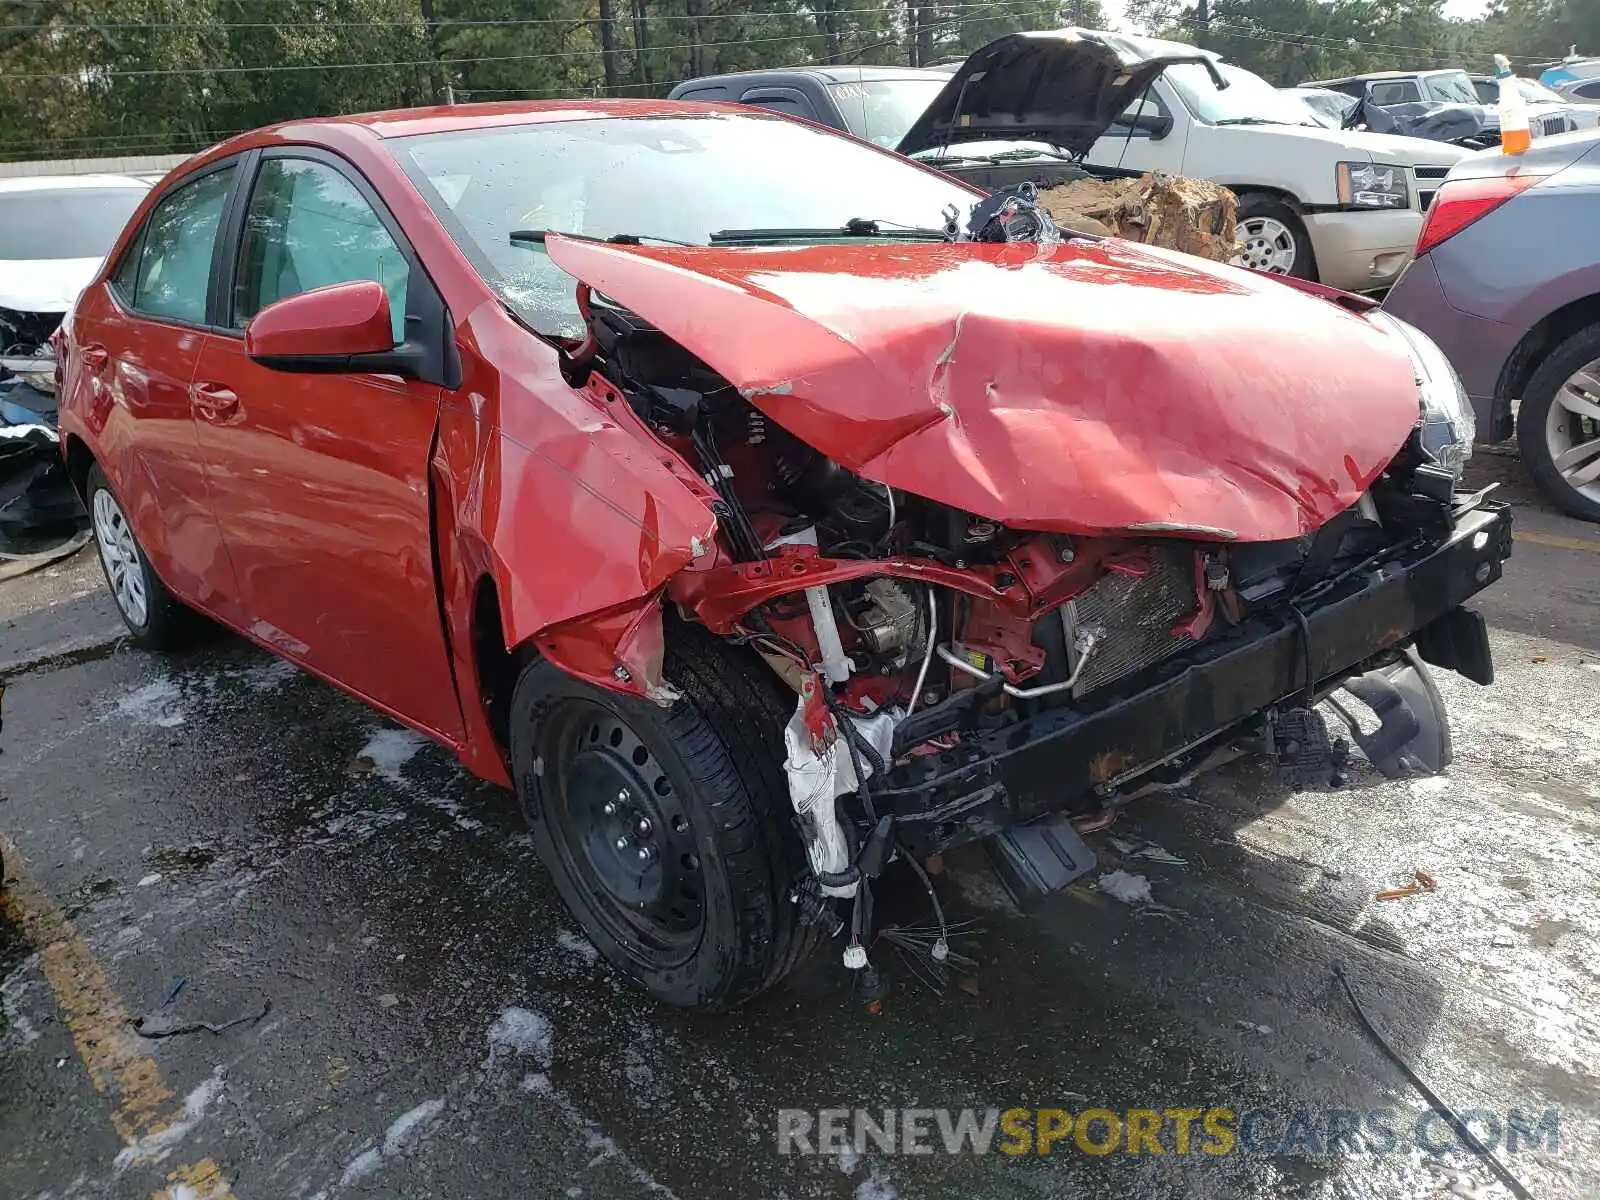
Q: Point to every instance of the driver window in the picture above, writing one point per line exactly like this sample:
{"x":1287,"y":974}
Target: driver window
{"x":1149,"y":107}
{"x":308,"y":226}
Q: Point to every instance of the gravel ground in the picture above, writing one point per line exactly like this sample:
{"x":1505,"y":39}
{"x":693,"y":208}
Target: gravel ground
{"x":219,"y":836}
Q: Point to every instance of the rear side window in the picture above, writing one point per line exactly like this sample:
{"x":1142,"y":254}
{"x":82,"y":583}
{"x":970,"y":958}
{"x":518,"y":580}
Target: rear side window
{"x":174,"y":262}
{"x":308,"y":226}
{"x":784,"y":104}
{"x":1395,"y":92}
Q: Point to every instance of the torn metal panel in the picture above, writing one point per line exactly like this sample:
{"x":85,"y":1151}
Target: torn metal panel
{"x":39,"y":511}
{"x":1084,"y":388}
{"x":579,"y":516}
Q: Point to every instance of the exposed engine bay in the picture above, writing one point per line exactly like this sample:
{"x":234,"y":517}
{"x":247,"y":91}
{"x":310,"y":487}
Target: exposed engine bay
{"x":911,"y":631}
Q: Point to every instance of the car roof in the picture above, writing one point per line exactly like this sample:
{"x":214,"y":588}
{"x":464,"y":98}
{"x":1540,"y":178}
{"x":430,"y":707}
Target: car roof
{"x":61,"y":183}
{"x":458,"y":118}
{"x":1370,"y":75}
{"x":834,"y":74}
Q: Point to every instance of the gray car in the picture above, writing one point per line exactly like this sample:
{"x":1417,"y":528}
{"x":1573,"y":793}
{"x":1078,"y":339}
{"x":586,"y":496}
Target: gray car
{"x":1507,"y":281}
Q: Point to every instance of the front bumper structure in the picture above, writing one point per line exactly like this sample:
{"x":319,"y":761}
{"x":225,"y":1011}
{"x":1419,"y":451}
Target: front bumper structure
{"x":1057,"y":759}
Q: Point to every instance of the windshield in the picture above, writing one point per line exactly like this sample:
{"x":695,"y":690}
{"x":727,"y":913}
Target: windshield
{"x":1248,"y":99}
{"x":881,"y":110}
{"x":680,"y":178}
{"x":1330,"y":109}
{"x":1452,"y":87}
{"x":64,"y":222}
{"x":1537,"y":93}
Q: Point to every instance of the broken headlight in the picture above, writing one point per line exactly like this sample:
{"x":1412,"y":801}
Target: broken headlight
{"x":1447,"y":424}
{"x":1371,"y":185}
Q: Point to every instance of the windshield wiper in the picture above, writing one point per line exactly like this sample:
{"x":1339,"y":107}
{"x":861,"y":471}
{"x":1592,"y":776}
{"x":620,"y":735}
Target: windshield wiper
{"x":1008,"y":155}
{"x":854,"y":227}
{"x":535,"y":237}
{"x":1248,"y":121}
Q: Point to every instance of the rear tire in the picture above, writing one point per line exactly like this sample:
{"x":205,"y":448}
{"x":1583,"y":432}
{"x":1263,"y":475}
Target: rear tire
{"x":1561,"y":444}
{"x":1274,"y":237}
{"x":669,"y":832}
{"x":156,"y":619}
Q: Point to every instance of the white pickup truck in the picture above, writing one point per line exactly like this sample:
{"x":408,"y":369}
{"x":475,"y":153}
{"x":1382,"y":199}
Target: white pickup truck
{"x":1342,"y":207}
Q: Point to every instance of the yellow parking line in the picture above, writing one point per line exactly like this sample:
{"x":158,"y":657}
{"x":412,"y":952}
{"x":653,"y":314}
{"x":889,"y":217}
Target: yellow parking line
{"x":1556,"y":540}
{"x":117,"y":1065}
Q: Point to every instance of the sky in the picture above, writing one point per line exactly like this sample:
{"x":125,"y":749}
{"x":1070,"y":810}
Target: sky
{"x":1458,"y":10}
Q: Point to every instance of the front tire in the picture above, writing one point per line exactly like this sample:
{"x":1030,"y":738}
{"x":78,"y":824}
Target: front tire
{"x":1558,"y":425}
{"x":1274,"y":237}
{"x":156,"y":619}
{"x":668,"y":832}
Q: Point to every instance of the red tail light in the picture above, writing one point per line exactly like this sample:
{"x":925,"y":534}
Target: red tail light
{"x":1460,"y":202}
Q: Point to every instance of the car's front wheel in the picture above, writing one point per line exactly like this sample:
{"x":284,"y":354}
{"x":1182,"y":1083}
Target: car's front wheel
{"x":1558,"y":425}
{"x":155,"y":617}
{"x":668,"y":832}
{"x":1272,"y":238}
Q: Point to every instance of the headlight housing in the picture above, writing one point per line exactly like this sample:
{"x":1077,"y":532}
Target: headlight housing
{"x":1372,"y":185}
{"x":1447,"y":425}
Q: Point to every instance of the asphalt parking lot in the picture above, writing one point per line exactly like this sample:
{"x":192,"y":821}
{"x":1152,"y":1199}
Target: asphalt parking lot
{"x":399,"y":1006}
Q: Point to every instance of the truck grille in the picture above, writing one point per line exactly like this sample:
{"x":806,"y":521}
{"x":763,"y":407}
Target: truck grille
{"x":1137,"y":616}
{"x":1428,"y":180}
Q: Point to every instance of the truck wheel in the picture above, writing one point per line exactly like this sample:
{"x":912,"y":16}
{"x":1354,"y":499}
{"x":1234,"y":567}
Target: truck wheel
{"x":1558,"y":425}
{"x":1274,"y":239}
{"x":668,"y":832}
{"x":156,"y":618}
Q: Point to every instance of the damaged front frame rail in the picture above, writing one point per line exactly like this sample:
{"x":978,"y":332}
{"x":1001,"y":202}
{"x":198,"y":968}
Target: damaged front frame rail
{"x":1053,"y":760}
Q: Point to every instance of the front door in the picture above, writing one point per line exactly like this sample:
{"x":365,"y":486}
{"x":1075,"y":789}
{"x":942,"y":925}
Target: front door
{"x":320,"y":482}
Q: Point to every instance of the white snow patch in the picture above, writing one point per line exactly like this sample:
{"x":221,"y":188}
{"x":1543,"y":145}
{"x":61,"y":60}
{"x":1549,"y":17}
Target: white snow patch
{"x":156,"y":703}
{"x":398,"y":1140}
{"x":156,"y":1146}
{"x":523,"y":1031}
{"x":404,"y":1131}
{"x":877,"y":1187}
{"x":1433,"y":785}
{"x":12,"y":989}
{"x":577,"y":944}
{"x":270,"y":675}
{"x":849,"y":1160}
{"x":1130,"y":889}
{"x":538,"y":1083}
{"x":390,"y":749}
{"x":150,"y":880}
{"x":361,"y":1166}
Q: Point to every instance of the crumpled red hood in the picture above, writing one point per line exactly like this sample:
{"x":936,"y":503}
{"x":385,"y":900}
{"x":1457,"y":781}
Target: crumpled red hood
{"x":1084,"y":388}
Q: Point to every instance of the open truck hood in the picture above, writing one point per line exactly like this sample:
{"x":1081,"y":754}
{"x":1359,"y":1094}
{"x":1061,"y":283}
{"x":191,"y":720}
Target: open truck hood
{"x":1083,"y":388}
{"x":1064,"y":87}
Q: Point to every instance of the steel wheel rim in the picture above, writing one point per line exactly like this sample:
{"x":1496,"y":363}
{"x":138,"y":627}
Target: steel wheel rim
{"x":1572,"y":431}
{"x":1268,"y":246}
{"x":610,"y":802}
{"x":119,"y":554}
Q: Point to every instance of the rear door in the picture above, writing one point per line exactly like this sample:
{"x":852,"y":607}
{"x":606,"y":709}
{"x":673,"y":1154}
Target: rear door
{"x":321,"y":480}
{"x":139,"y":338}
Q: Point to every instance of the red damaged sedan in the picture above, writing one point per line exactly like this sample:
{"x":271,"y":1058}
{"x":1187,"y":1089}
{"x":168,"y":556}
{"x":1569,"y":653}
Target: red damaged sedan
{"x":767,"y":509}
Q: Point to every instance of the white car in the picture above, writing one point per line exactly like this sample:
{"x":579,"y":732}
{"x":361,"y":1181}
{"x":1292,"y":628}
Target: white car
{"x":1549,"y":112}
{"x":1339,"y":206}
{"x":54,"y":233}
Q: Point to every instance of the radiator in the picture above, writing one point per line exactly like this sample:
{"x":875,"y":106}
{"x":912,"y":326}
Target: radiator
{"x":1137,"y":616}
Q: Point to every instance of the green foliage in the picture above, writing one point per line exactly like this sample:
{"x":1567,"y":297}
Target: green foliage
{"x":85,"y":78}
